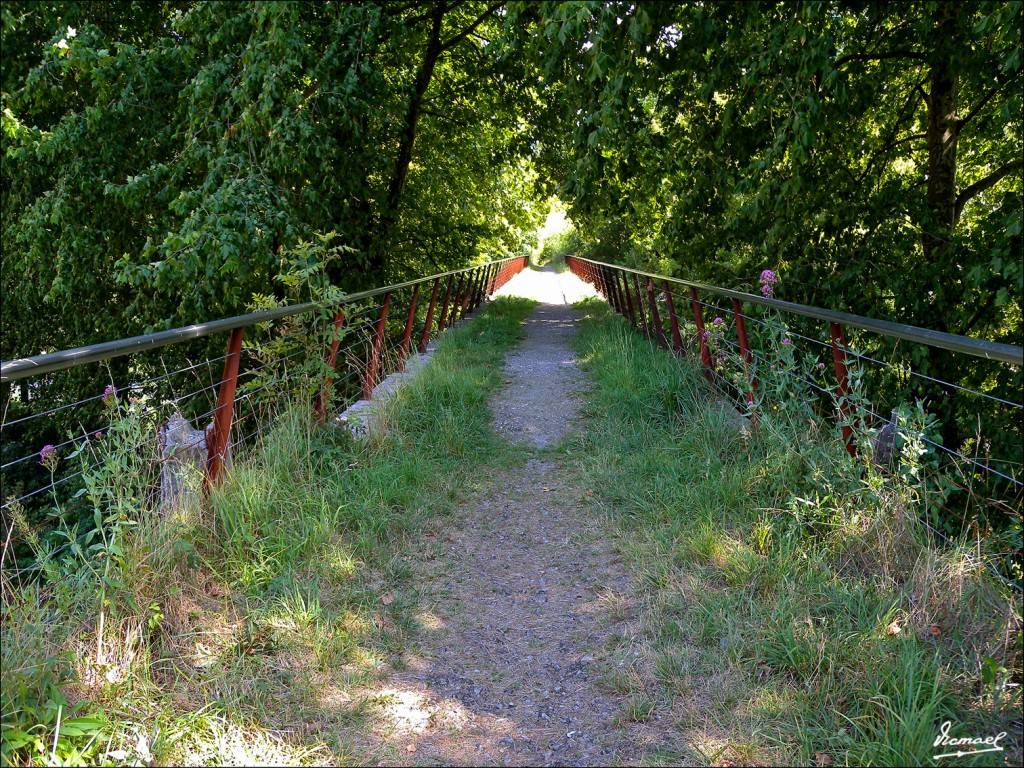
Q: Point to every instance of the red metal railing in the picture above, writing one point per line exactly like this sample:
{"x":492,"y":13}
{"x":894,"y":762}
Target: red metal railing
{"x":370,"y":336}
{"x":733,"y":364}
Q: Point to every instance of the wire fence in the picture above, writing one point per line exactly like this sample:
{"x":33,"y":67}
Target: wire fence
{"x":175,"y":402}
{"x":851,"y":370}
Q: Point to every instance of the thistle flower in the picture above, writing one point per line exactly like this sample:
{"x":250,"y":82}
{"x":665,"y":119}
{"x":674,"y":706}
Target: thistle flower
{"x":768,"y":280}
{"x":48,"y":456}
{"x":786,"y":341}
{"x":109,"y":395}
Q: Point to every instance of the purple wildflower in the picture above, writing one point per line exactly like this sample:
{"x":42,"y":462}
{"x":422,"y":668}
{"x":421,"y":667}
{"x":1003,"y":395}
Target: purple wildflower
{"x":706,"y":334}
{"x":717,"y":321}
{"x":821,"y":366}
{"x":786,"y":341}
{"x":109,"y":395}
{"x":768,"y":280}
{"x":48,"y":456}
{"x":750,"y":403}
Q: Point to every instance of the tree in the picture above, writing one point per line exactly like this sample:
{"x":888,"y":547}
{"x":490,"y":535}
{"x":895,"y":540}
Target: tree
{"x":870,"y":152}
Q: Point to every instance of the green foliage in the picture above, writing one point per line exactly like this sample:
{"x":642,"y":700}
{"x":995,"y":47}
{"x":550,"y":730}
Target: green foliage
{"x":787,"y":587}
{"x":164,"y":162}
{"x":557,"y":247}
{"x":304,"y":532}
{"x":868,"y":152}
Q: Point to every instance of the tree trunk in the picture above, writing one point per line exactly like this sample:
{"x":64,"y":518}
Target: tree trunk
{"x":941,"y":137}
{"x":937,"y":231}
{"x":389,"y":216}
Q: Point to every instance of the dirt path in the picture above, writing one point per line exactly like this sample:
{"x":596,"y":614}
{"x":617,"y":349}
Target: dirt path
{"x":529,"y":602}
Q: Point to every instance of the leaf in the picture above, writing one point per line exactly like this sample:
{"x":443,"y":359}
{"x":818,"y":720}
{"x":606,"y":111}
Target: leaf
{"x":894,"y":628}
{"x":823,"y":758}
{"x":388,"y":599}
{"x":83,"y":726}
{"x":16,"y":739}
{"x":411,"y":748}
{"x":935,"y":630}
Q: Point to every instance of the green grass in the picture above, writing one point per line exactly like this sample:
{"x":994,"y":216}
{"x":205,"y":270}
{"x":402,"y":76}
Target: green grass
{"x":792,"y":612}
{"x":241,"y":633}
{"x":781,"y":631}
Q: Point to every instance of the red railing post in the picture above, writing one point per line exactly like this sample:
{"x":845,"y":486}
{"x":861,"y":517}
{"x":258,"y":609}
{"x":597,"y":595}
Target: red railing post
{"x":842,"y":380}
{"x":478,"y":289}
{"x":677,"y":340}
{"x":219,"y":432}
{"x":640,"y":307}
{"x":403,"y":351}
{"x":444,"y":307}
{"x":467,"y":295}
{"x":425,"y":338}
{"x":378,"y":342}
{"x":698,"y":316}
{"x":456,"y":302}
{"x":748,"y":357}
{"x":624,"y":287}
{"x":609,"y":288}
{"x":323,"y":398}
{"x":659,"y":332}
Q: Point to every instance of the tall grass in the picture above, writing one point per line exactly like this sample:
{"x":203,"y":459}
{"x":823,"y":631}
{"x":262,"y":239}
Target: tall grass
{"x":795,"y":612}
{"x":235,"y":632}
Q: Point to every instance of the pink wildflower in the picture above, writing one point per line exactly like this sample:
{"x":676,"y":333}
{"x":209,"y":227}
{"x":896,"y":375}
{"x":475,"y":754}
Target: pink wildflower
{"x":786,"y":342}
{"x":48,"y":456}
{"x":768,"y":280}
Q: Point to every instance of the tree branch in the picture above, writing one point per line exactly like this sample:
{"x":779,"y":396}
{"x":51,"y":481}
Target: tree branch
{"x":924,"y":95}
{"x":898,"y":54}
{"x":977,"y":108}
{"x":471,"y":28}
{"x":975,"y":189}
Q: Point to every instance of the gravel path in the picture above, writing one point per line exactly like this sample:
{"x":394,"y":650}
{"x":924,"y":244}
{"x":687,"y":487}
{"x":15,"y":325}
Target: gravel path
{"x":529,"y":602}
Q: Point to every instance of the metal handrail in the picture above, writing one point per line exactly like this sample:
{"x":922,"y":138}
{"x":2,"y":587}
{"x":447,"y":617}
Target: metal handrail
{"x":12,"y":370}
{"x":1006,"y":353}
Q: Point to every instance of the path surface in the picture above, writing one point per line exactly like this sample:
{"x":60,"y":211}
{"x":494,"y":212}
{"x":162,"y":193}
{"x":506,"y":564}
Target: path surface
{"x":528,"y":599}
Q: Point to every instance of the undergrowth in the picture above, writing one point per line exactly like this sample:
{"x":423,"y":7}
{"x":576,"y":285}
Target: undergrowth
{"x":237,"y":631}
{"x":794,"y":610}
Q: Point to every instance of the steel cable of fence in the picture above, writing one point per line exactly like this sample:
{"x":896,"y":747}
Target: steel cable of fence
{"x":94,"y":398}
{"x":951,"y":542}
{"x":608,"y":287}
{"x":976,"y":347}
{"x":888,"y":365}
{"x":881,"y":419}
{"x":375,"y":347}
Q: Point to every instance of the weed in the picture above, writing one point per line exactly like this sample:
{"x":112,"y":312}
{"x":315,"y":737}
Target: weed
{"x":790,"y":593}
{"x":203,"y":636}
